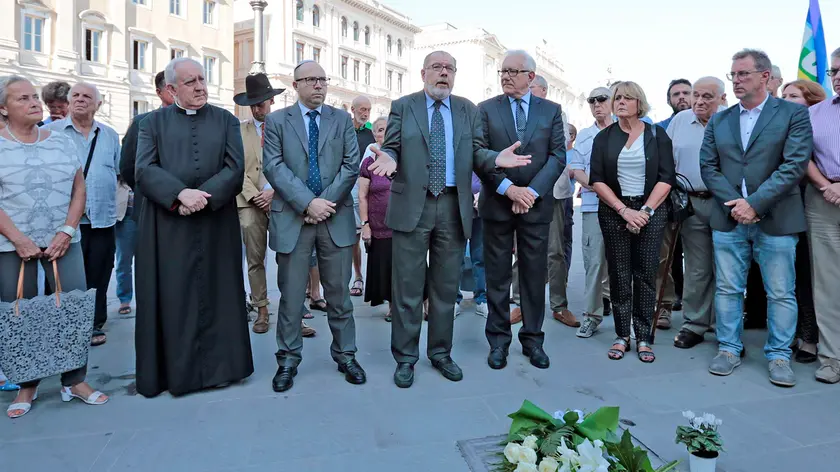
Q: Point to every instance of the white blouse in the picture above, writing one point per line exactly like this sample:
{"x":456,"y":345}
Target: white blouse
{"x":631,"y":168}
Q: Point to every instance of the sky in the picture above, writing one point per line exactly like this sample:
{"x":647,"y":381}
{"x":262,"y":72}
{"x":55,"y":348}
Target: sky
{"x":650,"y":42}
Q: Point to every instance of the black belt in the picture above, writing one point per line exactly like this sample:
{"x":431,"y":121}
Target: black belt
{"x":700,"y":195}
{"x":445,"y":191}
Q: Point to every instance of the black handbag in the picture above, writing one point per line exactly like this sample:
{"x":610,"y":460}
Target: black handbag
{"x":681,"y":208}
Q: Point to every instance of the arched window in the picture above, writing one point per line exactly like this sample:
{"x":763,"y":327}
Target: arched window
{"x":299,"y":10}
{"x":388,"y":43}
{"x":343,"y":26}
{"x":316,"y":16}
{"x":355,"y":31}
{"x":399,"y":47}
{"x":367,"y":35}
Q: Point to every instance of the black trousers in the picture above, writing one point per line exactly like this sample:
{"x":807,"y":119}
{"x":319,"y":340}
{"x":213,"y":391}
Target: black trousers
{"x":532,"y":254}
{"x":633,"y":262}
{"x":677,"y":268}
{"x":99,"y":245}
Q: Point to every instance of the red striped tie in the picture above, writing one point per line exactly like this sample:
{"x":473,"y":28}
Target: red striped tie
{"x":262,"y":134}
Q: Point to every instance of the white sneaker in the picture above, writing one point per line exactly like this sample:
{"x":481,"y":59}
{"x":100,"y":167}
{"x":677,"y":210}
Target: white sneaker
{"x":481,"y":310}
{"x":457,"y":309}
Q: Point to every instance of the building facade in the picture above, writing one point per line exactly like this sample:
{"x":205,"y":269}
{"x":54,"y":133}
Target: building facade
{"x":119,"y":46}
{"x":365,"y":48}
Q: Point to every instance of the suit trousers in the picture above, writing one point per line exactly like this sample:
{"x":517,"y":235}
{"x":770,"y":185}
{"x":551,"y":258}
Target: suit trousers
{"x":665,"y":274}
{"x":597,"y":285}
{"x":254,"y":222}
{"x":633,"y":260}
{"x":699,"y":253}
{"x":824,"y":238}
{"x":532,"y":254}
{"x":439,"y":233}
{"x":99,"y":246}
{"x":335,"y":264}
{"x":558,"y":260}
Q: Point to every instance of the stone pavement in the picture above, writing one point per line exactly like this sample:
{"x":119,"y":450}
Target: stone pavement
{"x":326,"y":424}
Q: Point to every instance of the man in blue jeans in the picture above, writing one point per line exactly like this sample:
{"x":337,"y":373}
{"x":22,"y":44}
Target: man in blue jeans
{"x":753,"y":156}
{"x":125,"y":229}
{"x":475,"y":247}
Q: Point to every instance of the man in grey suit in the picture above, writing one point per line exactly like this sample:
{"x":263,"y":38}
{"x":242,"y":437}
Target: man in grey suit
{"x":433,"y":143}
{"x":311,"y":159}
{"x":753,"y":156}
{"x":520,"y":202}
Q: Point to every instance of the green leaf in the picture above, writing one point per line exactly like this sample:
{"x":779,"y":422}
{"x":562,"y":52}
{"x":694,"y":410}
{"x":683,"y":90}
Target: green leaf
{"x":528,"y":417}
{"x":571,"y":418}
{"x":598,"y":424}
{"x":668,"y":467}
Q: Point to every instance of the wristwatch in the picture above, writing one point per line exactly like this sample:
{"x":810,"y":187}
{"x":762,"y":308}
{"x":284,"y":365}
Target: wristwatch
{"x":68,"y":230}
{"x":646,"y":209}
{"x":364,"y":222}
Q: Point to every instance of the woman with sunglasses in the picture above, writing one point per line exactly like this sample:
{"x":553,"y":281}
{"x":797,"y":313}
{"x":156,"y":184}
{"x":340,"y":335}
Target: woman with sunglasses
{"x":632,"y":173}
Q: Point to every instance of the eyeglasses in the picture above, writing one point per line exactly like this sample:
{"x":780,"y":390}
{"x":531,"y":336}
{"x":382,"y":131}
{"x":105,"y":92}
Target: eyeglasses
{"x":599,"y":99}
{"x":440,"y":68}
{"x":619,"y":98}
{"x":832,"y":72}
{"x":742,"y":74}
{"x":512,"y":72}
{"x":314,"y":80}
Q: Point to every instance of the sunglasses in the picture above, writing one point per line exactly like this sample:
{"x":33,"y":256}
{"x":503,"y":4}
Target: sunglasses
{"x":599,"y":99}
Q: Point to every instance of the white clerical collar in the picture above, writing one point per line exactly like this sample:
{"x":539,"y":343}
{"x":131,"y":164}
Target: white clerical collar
{"x":186,"y":110}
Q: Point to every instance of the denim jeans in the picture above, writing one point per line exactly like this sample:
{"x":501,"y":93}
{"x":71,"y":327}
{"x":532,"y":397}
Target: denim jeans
{"x":776,"y":255}
{"x":126,"y":242}
{"x":476,"y":250}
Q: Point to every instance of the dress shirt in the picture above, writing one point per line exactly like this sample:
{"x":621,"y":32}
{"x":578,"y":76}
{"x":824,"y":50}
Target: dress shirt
{"x":580,"y":160}
{"x":748,"y":120}
{"x":446,"y":113}
{"x":304,"y":110}
{"x":825,"y":119}
{"x":666,"y":122}
{"x":526,"y":105}
{"x":686,"y":133}
{"x":101,"y":181}
{"x":260,"y":125}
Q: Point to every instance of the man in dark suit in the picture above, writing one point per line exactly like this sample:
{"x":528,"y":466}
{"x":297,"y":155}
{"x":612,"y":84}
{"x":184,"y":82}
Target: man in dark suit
{"x":434,"y":142}
{"x":753,"y":156}
{"x":520,"y":202}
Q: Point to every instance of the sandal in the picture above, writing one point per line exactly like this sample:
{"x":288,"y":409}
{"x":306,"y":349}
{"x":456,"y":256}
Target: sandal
{"x":618,"y":354}
{"x":21,"y":406}
{"x":125,"y":309}
{"x":95,"y":398}
{"x":358,"y":287}
{"x":645,"y":356}
{"x":98,"y":338}
{"x":320,"y":305}
{"x":308,"y":315}
{"x":388,"y":317}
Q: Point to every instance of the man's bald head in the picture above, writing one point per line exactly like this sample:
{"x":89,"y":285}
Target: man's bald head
{"x":310,"y":84}
{"x":361,"y":110}
{"x":308,"y":68}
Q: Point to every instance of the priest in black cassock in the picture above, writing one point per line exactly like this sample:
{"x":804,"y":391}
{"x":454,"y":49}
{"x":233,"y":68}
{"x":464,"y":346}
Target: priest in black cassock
{"x":191,"y":328}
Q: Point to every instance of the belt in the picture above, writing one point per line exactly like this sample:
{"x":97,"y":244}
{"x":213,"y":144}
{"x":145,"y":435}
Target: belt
{"x":700,"y":195}
{"x":445,"y":191}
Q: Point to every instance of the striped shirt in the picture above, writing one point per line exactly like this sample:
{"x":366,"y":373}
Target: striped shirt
{"x":825,"y":119}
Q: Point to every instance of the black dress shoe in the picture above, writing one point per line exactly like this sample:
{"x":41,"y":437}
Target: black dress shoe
{"x":539,"y":358}
{"x":607,"y":307}
{"x":497,"y":359}
{"x":284,"y":378}
{"x":677,"y":306}
{"x":448,"y":368}
{"x":353,"y":372}
{"x":804,"y":357}
{"x":404,"y":375}
{"x":686,"y":339}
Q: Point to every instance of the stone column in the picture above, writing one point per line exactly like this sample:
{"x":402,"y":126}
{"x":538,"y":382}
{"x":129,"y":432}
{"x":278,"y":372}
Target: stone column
{"x":258,"y":64}
{"x":9,"y":46}
{"x":67,"y":37}
{"x":118,"y":40}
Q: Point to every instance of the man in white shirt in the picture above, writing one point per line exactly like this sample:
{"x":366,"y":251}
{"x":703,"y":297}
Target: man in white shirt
{"x":686,"y":131}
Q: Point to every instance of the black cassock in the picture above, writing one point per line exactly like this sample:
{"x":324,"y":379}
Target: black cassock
{"x":191,"y":328}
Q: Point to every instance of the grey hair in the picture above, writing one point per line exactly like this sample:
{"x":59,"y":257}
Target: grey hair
{"x":96,"y":94}
{"x":5,"y":82}
{"x":57,"y":91}
{"x":530,"y":63}
{"x":170,"y":75}
{"x":775,"y":72}
{"x":428,"y":56}
{"x":836,"y":54}
{"x":762,"y":60}
{"x":540,"y":82}
{"x":721,"y":87}
{"x":601,"y":91}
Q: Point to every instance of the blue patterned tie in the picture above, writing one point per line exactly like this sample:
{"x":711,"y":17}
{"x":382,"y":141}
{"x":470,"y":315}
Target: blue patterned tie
{"x":437,"y":152}
{"x":314,"y":179}
{"x":520,"y":120}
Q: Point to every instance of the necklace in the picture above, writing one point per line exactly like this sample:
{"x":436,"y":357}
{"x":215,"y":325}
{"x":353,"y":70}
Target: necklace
{"x":9,"y":129}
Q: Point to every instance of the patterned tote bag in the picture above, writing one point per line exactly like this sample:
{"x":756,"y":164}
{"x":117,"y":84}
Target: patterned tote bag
{"x":46,"y":335}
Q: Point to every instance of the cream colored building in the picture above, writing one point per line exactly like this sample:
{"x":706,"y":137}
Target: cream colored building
{"x":118,"y":45}
{"x":364,"y":46}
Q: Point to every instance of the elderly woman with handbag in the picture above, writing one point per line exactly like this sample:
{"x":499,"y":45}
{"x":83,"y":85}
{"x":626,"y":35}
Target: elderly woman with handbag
{"x":632,"y":173}
{"x":42,"y":198}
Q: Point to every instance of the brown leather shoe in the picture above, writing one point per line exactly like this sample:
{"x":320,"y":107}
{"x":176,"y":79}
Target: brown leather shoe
{"x":515,"y":315}
{"x":663,"y":320}
{"x":567,"y":318}
{"x":261,"y":325}
{"x":306,"y":331}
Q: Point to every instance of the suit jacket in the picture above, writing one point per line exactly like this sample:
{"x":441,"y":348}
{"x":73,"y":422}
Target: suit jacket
{"x":407,"y":142}
{"x":544,"y":140}
{"x":128,"y":158}
{"x":286,"y":166}
{"x":773,"y":164}
{"x":254,"y":179}
{"x":659,"y":155}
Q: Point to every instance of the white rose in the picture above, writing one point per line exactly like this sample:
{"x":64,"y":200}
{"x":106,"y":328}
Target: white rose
{"x":548,"y":464}
{"x":530,"y":442}
{"x":528,"y":456}
{"x":512,"y":452}
{"x":523,"y":467}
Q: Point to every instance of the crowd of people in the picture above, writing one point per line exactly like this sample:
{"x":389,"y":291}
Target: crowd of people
{"x":686,"y":214}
